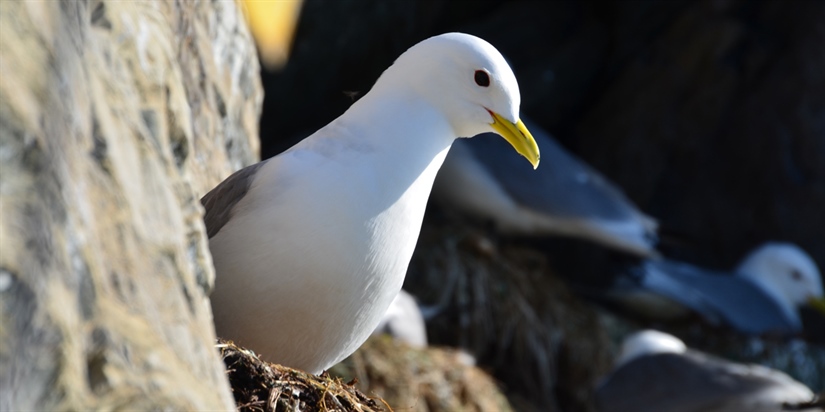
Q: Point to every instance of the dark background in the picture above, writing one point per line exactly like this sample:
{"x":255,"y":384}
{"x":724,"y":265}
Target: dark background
{"x":709,"y":114}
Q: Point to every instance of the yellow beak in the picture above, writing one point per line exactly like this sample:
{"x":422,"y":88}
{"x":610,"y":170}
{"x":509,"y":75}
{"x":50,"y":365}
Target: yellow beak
{"x":518,"y":136}
{"x":818,"y":304}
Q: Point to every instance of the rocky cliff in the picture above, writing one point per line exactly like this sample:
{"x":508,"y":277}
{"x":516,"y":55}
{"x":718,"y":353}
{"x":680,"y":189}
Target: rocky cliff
{"x":114,"y":118}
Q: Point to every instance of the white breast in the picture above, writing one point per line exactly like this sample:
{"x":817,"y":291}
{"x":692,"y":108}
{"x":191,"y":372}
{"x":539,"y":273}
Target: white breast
{"x":319,"y":247}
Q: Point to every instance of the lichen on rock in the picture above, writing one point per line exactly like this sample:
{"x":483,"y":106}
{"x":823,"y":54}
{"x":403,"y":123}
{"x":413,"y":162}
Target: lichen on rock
{"x":114,"y":118}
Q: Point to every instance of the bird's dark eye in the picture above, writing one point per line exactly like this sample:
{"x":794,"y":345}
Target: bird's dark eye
{"x":482,"y":78}
{"x":795,"y":275}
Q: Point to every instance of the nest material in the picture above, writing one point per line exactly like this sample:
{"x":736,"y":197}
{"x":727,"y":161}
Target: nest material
{"x":427,"y":380}
{"x":503,"y":305}
{"x":259,"y":386}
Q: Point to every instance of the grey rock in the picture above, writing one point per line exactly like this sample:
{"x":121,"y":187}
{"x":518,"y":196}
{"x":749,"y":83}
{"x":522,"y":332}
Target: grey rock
{"x":114,"y":118}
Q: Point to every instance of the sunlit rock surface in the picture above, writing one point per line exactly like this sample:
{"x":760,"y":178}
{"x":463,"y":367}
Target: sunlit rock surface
{"x":115,"y":117}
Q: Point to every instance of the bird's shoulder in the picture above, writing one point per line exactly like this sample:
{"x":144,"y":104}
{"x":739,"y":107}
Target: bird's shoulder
{"x":300,"y":162}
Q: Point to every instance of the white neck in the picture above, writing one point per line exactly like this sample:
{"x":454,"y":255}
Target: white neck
{"x":412,"y":136}
{"x":399,"y":143}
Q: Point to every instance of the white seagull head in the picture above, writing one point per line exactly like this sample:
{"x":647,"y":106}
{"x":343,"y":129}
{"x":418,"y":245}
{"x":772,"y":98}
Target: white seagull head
{"x":785,"y":271}
{"x":469,"y":81}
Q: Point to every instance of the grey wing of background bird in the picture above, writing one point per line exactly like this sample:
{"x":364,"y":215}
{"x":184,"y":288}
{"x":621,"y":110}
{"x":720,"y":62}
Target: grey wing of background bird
{"x":565,"y":195}
{"x":692,"y":381}
{"x":717,"y":296}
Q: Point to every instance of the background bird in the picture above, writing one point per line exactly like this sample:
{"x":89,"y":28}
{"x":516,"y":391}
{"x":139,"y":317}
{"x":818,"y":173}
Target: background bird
{"x":404,"y":321}
{"x":656,"y":372}
{"x":762,"y":295}
{"x":480,"y":177}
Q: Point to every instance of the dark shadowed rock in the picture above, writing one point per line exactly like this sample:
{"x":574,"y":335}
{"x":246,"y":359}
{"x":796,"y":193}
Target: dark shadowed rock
{"x":717,"y":128}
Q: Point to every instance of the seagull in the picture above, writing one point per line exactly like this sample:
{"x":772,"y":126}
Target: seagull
{"x":404,"y":321}
{"x":762,"y":296}
{"x":311,"y":246}
{"x":656,"y":372}
{"x":565,"y":197}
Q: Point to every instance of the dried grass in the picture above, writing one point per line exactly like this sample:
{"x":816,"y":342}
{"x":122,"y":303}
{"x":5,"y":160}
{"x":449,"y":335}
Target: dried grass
{"x":259,"y":386}
{"x":425,"y":380}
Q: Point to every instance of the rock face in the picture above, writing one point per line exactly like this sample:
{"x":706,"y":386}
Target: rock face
{"x":114,"y":118}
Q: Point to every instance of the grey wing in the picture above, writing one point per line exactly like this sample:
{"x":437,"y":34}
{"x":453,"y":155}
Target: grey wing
{"x":715,"y":296}
{"x":563,"y":185}
{"x":221,"y":199}
{"x":685,"y":383}
{"x":563,"y":196}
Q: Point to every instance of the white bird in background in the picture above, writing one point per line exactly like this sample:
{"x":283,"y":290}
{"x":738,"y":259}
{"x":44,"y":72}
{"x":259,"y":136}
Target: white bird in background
{"x":565,"y":197}
{"x":763,"y":295}
{"x":656,"y":372}
{"x":404,"y":321}
{"x":311,"y":246}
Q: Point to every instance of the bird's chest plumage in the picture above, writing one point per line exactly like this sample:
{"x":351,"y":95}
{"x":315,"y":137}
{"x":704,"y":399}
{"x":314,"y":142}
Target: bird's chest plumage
{"x":341,"y":273}
{"x":372,"y":230}
{"x":367,"y":232}
{"x":324,"y":268}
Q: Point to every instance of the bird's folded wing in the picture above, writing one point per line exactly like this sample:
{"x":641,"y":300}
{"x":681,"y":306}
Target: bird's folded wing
{"x":220,"y":201}
{"x":565,"y":195}
{"x":681,"y":382}
{"x":716,"y":295}
{"x":567,"y":187}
